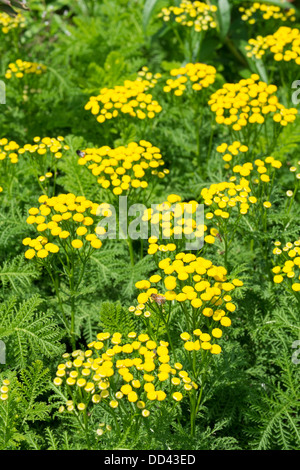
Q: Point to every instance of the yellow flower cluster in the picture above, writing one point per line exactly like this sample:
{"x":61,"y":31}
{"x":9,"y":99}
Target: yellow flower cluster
{"x":205,"y":341}
{"x":256,"y":11}
{"x":9,"y":149}
{"x":52,"y":146}
{"x":124,"y":167}
{"x":200,"y":75}
{"x":4,"y":390}
{"x":129,"y":98}
{"x":289,"y":264}
{"x":67,"y":219}
{"x":190,"y":279}
{"x":223,"y":197}
{"x":176,"y":222}
{"x":135,"y":370}
{"x":148,"y":78}
{"x":48,"y":146}
{"x":284,"y":44}
{"x":263,"y":169}
{"x":229,"y":151}
{"x":197,"y":14}
{"x":21,"y":68}
{"x":8,"y":22}
{"x":43,"y":178}
{"x":248,"y":102}
{"x":261,"y":174}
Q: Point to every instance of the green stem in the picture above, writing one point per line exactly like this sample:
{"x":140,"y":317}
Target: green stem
{"x":130,"y":246}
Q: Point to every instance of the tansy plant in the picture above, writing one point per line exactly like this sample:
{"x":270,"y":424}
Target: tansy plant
{"x":226,"y":203}
{"x":129,"y":378}
{"x":174,"y":226}
{"x":9,"y":157}
{"x":259,"y":172}
{"x":232,"y":153}
{"x":66,"y":226}
{"x":287,"y":266}
{"x":9,"y":23}
{"x":195,"y":294}
{"x":148,"y":78}
{"x":190,"y":22}
{"x":192,"y":82}
{"x":282,"y":47}
{"x":196,"y":285}
{"x":9,"y":151}
{"x":130,"y":99}
{"x":132,"y":171}
{"x":44,"y":154}
{"x":21,"y":68}
{"x":266,"y":15}
{"x":24,"y":78}
{"x":261,"y":178}
{"x":126,"y":170}
{"x":249,"y":108}
{"x":10,"y":31}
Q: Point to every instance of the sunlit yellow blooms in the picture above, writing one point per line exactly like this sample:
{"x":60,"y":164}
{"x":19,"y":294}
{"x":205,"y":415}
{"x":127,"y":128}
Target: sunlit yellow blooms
{"x":57,"y":228}
{"x":121,"y":376}
{"x":287,"y":268}
{"x":7,"y":22}
{"x":197,"y":76}
{"x":231,"y":152}
{"x":148,"y":78}
{"x":252,"y":101}
{"x":196,"y":15}
{"x":203,"y":290}
{"x":9,"y":149}
{"x":283,"y":45}
{"x":125,"y":167}
{"x":225,"y":199}
{"x":130,"y":99}
{"x":177,"y":396}
{"x":256,"y":12}
{"x":47,"y":149}
{"x":176,"y":224}
{"x":21,"y":68}
{"x":4,"y":390}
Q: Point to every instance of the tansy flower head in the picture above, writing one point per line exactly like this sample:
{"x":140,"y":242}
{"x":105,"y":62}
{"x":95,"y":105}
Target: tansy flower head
{"x":7,"y":22}
{"x":257,"y":12}
{"x":287,"y":268}
{"x":196,"y":15}
{"x":199,"y":287}
{"x":283,"y":45}
{"x":232,"y":152}
{"x":20,"y":68}
{"x":196,"y":76}
{"x":133,"y":372}
{"x":249,"y":102}
{"x":148,"y":79}
{"x":176,"y":224}
{"x":125,"y":167}
{"x":130,"y":99}
{"x":9,"y":150}
{"x":66,"y":222}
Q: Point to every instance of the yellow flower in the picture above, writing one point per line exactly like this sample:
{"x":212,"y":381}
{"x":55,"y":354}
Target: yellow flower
{"x":177,"y":396}
{"x":77,"y":243}
{"x":198,"y":15}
